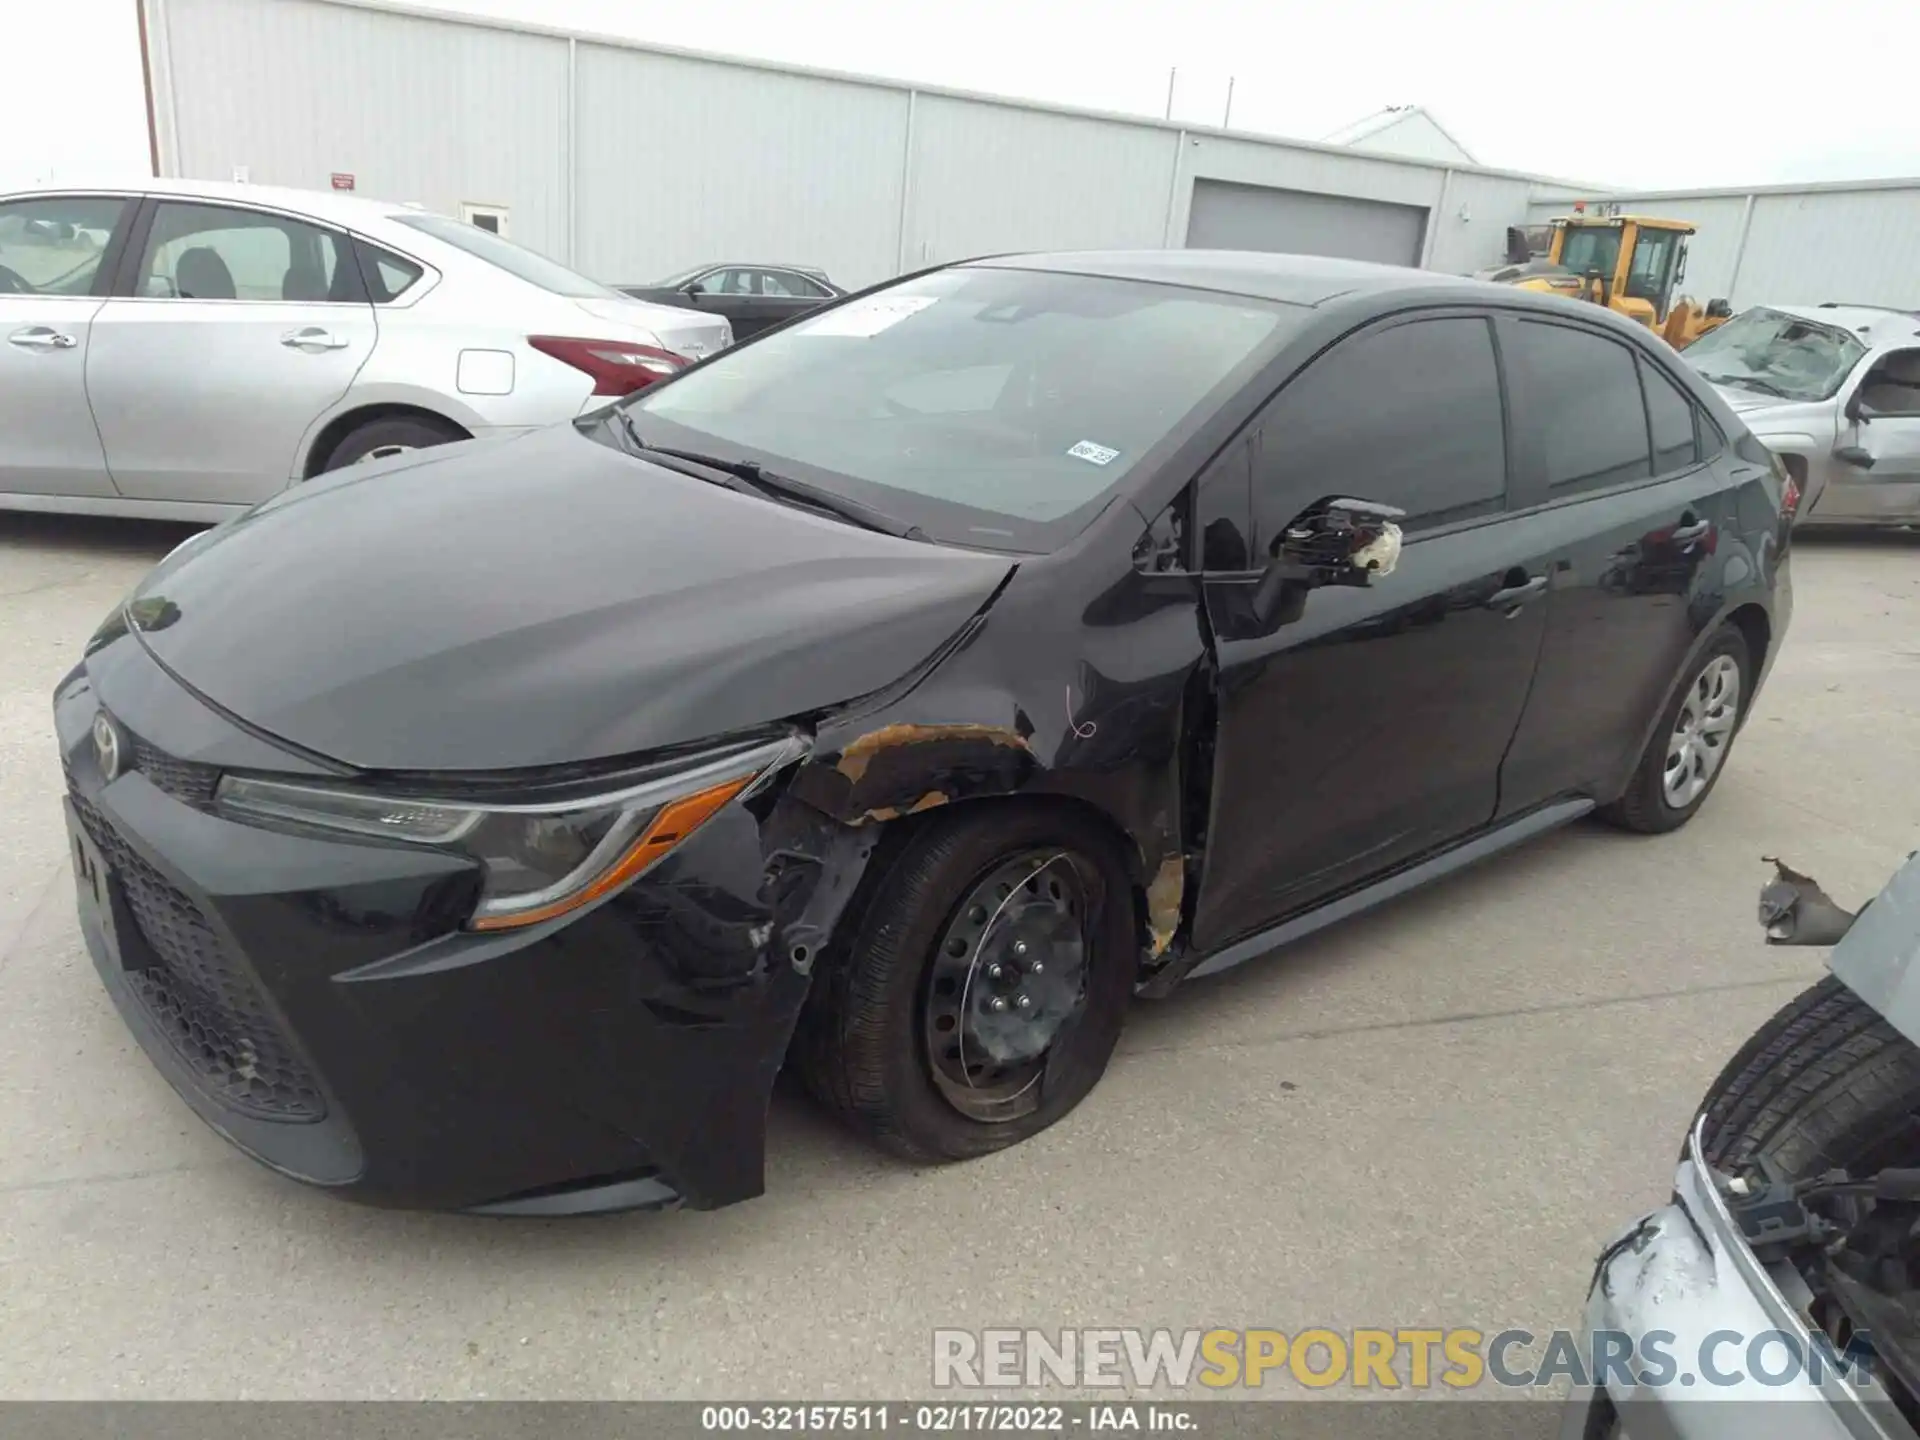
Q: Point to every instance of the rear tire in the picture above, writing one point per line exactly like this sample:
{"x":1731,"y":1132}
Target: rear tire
{"x":1826,"y":1082}
{"x":864,"y":1045}
{"x":395,"y":435}
{"x":1651,"y":804}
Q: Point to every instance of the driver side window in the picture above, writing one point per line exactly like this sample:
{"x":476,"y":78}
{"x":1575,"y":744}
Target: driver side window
{"x":1408,"y":415}
{"x":1892,"y":387}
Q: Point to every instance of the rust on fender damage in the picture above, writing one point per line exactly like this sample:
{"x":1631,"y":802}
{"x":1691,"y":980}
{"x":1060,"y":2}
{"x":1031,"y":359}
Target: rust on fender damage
{"x":891,"y":771}
{"x":1099,"y":713}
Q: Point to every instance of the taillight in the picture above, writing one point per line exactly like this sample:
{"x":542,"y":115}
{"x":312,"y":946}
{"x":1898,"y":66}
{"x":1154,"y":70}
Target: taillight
{"x":618,"y":367}
{"x":1789,"y":488}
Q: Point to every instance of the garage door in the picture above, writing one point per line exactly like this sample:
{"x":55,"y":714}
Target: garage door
{"x":1254,"y":217}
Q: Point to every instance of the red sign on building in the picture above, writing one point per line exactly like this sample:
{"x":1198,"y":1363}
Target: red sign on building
{"x":342,"y":180}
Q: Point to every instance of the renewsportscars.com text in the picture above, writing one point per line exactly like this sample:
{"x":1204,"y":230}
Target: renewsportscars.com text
{"x":1410,"y":1358}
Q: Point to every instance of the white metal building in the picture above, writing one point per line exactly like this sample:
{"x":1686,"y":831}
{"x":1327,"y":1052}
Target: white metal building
{"x":631,"y":161}
{"x":1403,"y":130}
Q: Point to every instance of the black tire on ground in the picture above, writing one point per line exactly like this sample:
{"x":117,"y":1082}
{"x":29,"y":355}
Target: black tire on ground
{"x":860,"y":1047}
{"x":1644,"y":807}
{"x":1825,"y":1083}
{"x":395,"y":434}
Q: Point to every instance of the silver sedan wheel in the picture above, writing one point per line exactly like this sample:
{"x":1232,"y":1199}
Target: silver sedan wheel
{"x":384,"y":452}
{"x":1702,"y":731}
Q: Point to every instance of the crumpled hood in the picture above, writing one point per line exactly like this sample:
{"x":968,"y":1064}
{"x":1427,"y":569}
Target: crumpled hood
{"x":499,"y":604}
{"x":1749,"y":403}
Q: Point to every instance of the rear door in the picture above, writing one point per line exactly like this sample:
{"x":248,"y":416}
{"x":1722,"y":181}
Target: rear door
{"x":55,"y":254}
{"x":1636,"y":493}
{"x":1369,"y":728}
{"x":241,"y":328}
{"x":779,"y":296}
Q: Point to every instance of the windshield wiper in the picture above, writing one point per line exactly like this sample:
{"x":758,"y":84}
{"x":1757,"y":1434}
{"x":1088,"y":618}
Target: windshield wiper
{"x":753,"y":478}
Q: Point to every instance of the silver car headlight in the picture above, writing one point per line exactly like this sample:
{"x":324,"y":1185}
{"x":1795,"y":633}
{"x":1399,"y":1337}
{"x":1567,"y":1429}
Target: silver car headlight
{"x":540,"y":860}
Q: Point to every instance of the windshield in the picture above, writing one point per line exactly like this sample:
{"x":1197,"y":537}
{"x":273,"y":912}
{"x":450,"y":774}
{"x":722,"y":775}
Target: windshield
{"x":1587,"y":250}
{"x":1776,"y":354}
{"x":990,"y":407}
{"x":516,"y":260}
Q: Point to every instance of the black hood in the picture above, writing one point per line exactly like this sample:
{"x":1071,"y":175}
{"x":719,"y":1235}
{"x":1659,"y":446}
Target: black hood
{"x":500,"y":604}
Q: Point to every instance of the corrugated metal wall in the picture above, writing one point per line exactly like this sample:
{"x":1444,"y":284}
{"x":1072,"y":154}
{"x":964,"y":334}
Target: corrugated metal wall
{"x":683,"y":161}
{"x":414,"y":109}
{"x":633,"y":162}
{"x":1790,"y":246}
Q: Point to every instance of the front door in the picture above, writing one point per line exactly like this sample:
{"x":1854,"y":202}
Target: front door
{"x":1370,"y":727}
{"x":1883,"y":426}
{"x":243,"y":327}
{"x":51,"y":256}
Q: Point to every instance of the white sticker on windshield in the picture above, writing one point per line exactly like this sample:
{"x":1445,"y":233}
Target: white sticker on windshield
{"x":1092,"y":453}
{"x":862,"y":318}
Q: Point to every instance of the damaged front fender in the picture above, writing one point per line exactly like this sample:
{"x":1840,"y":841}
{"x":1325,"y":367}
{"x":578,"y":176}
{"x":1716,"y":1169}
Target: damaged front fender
{"x":1092,"y":707}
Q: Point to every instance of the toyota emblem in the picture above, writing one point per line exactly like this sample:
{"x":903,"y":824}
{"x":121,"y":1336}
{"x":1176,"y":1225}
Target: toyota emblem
{"x":106,"y":746}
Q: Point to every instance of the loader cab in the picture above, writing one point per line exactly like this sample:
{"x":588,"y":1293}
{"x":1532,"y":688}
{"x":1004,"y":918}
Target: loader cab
{"x":1629,"y":263}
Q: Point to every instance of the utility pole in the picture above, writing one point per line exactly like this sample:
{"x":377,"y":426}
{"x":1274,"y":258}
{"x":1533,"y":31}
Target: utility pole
{"x":1226,"y":121}
{"x":1170,"y":75}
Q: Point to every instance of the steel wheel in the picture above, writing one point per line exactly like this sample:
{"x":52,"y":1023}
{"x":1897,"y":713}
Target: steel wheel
{"x":1702,"y":731}
{"x":1008,"y":979}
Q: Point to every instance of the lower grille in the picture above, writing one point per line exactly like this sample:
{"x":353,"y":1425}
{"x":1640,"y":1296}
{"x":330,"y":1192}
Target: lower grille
{"x":185,"y":780}
{"x":200,"y":998}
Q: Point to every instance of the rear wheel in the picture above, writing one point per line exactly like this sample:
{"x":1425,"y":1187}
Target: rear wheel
{"x":983,"y":988}
{"x":384,"y":439}
{"x":1689,"y":747}
{"x":1825,"y":1083}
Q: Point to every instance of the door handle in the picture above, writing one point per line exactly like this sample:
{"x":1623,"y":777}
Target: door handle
{"x":312,"y":337}
{"x":42,"y":337}
{"x":1687,"y":534}
{"x":1511,"y":597}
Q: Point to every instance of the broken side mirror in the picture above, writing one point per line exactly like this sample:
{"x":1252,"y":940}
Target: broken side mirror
{"x":1336,"y":541}
{"x":1854,"y":455}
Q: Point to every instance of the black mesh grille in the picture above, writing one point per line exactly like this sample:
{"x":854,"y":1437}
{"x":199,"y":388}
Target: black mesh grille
{"x":182,"y":779}
{"x":201,"y":999}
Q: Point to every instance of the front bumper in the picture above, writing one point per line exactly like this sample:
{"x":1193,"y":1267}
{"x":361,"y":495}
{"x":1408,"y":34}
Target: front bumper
{"x":316,"y":1002}
{"x":1685,"y":1278}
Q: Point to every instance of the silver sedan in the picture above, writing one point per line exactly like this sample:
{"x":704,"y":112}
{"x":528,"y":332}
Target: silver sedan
{"x":183,"y":350}
{"x":1835,"y":391}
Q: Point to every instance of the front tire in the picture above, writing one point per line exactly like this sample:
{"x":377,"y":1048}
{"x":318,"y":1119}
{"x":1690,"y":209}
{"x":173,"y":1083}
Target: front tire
{"x":1826,"y":1082}
{"x":983,"y":985}
{"x":1688,"y":751}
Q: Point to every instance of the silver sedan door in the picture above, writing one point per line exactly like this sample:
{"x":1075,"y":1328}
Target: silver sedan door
{"x":51,"y":252}
{"x":1876,"y":470}
{"x":243,"y":327}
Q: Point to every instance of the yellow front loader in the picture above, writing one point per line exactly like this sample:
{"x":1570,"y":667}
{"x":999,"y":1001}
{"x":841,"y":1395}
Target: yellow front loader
{"x":1632,"y":264}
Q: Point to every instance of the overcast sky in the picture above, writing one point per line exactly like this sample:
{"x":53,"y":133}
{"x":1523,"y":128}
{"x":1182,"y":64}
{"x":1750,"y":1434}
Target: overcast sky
{"x":1647,"y":93}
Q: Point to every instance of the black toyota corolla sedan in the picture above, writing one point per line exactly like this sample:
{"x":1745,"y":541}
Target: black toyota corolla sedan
{"x":899,"y":695}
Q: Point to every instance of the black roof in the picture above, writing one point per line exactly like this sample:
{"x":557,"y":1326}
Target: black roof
{"x":1292,"y":279}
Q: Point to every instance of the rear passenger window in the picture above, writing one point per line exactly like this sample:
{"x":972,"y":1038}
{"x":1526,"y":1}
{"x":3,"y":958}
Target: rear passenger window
{"x":1409,"y":416}
{"x":388,"y":276}
{"x":1671,"y":416}
{"x":1585,"y":400}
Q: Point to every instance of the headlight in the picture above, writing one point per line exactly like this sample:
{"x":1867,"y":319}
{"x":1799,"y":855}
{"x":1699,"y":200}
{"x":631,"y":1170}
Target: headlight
{"x":540,"y":860}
